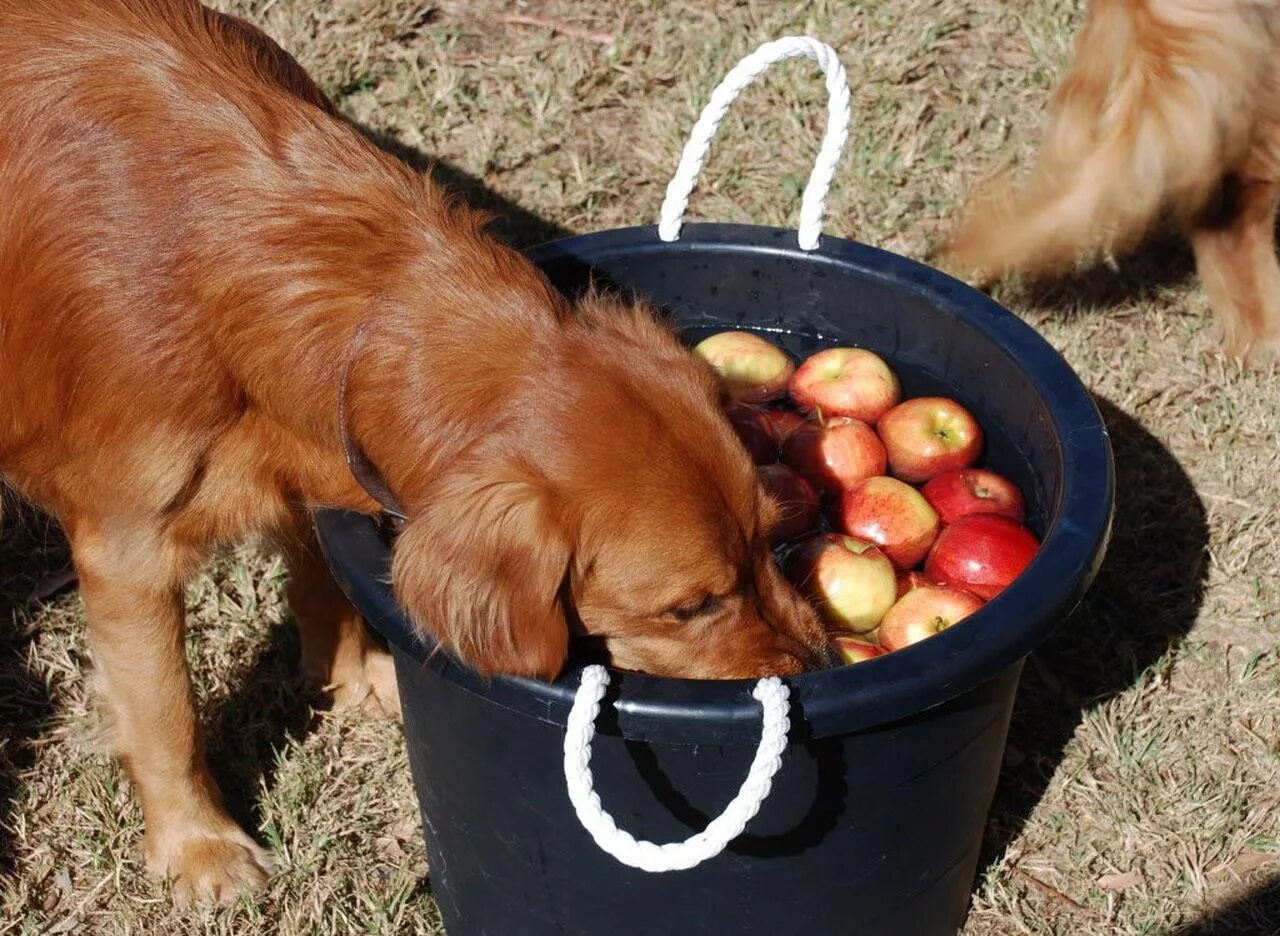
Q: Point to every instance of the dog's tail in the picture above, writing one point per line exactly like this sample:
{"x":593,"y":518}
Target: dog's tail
{"x":1157,"y":104}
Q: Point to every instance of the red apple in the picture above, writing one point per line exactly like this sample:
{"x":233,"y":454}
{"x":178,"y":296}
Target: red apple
{"x":850,"y":582}
{"x":910,"y":581}
{"x":854,"y":650}
{"x":752,"y":369}
{"x":956,"y":494}
{"x":835,"y":453}
{"x":981,"y":553}
{"x":798,"y":509}
{"x":893,"y":515}
{"x":929,"y":435}
{"x":924,"y":612}
{"x":762,"y":431}
{"x":781,"y":422}
{"x":845,"y":382}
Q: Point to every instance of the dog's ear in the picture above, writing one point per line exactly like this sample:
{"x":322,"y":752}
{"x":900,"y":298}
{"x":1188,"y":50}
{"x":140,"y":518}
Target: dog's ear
{"x":481,"y":569}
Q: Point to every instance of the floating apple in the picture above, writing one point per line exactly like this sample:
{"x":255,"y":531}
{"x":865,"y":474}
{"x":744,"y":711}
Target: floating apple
{"x":853,"y":650}
{"x":753,"y":370}
{"x":893,"y":515}
{"x":956,"y":494}
{"x":981,"y":553}
{"x":762,"y":430}
{"x":845,"y":382}
{"x":923,"y":612}
{"x":850,"y":582}
{"x":797,"y":502}
{"x":910,"y":581}
{"x":835,"y":453}
{"x":929,"y":435}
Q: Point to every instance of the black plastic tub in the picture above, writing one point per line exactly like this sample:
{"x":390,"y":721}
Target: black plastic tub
{"x":875,"y":821}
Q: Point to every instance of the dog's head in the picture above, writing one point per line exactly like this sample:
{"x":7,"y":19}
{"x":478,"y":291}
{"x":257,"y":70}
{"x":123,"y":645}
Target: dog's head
{"x":610,"y":501}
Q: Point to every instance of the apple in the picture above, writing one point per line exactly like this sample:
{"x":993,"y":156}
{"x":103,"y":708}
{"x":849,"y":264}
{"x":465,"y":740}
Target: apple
{"x":929,"y":435}
{"x":853,"y":650}
{"x":910,"y":581}
{"x":845,"y":382}
{"x":850,"y":582}
{"x":981,"y":553}
{"x":781,"y":423}
{"x":835,"y":453}
{"x":893,"y":515}
{"x":924,"y":612}
{"x":956,"y":494}
{"x":763,"y":431}
{"x":798,"y":509}
{"x":753,"y":370}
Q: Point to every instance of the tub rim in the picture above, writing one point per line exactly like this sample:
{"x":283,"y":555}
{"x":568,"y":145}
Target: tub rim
{"x":829,"y":702}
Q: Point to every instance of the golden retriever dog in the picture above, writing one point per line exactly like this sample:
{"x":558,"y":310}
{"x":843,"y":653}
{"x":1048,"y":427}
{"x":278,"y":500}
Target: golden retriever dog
{"x":190,"y":241}
{"x":1167,"y":105}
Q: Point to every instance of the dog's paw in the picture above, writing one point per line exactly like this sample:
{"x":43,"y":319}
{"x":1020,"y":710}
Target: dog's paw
{"x":205,"y":867}
{"x":368,"y":684}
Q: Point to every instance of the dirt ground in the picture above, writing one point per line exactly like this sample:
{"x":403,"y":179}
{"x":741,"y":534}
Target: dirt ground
{"x":1141,"y":789}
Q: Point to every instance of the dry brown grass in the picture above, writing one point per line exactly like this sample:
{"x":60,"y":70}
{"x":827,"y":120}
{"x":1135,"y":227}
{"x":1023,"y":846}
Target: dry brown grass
{"x":1141,"y":793}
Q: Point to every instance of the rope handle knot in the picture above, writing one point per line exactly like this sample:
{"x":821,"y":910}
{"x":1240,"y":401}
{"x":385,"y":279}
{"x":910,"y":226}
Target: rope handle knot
{"x":773,"y":697}
{"x":813,"y":204}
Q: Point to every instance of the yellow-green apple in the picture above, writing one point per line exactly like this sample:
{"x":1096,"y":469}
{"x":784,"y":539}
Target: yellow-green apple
{"x":752,"y":369}
{"x":853,"y":650}
{"x":798,"y":508}
{"x":956,"y":494}
{"x":981,"y":553}
{"x":850,"y":582}
{"x":929,"y":435}
{"x":923,"y":612}
{"x":835,"y":453}
{"x":893,"y":515}
{"x":845,"y":382}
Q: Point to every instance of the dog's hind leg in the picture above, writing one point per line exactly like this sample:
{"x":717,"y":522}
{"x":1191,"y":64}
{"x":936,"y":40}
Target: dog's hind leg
{"x":131,"y":578}
{"x":1235,"y":249}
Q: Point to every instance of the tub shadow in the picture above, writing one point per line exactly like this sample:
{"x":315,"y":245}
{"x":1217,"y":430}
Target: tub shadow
{"x":32,"y":549}
{"x":1143,"y":601}
{"x":1255,"y":913}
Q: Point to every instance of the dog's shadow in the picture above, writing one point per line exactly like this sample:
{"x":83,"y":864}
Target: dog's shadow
{"x":1161,"y":262}
{"x":33,"y":552}
{"x":1146,"y":597}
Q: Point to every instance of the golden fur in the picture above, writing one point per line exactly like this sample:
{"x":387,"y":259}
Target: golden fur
{"x":189,"y":240}
{"x":1167,"y":104}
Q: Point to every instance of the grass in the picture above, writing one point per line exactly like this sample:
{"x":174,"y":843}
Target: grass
{"x":1141,"y":789}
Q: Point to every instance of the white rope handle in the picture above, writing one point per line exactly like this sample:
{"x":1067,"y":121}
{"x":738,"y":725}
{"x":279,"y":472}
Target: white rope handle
{"x":673,"y":856}
{"x":746,"y":71}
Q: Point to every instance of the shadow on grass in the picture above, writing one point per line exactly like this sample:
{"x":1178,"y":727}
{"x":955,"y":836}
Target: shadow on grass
{"x":32,"y":549}
{"x":1161,"y":262}
{"x":518,"y":226}
{"x":1145,"y":598}
{"x":1255,"y":913}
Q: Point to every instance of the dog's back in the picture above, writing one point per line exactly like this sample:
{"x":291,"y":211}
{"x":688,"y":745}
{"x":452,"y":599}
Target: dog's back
{"x":169,"y":186}
{"x":1161,"y":99}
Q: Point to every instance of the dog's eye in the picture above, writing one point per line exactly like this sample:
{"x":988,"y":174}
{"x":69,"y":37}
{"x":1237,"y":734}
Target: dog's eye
{"x":692,"y":609}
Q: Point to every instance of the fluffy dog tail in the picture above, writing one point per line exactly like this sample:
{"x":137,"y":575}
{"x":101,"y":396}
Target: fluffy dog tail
{"x":1158,"y":103}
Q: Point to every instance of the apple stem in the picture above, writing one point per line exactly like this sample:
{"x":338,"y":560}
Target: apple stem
{"x":817,"y":411}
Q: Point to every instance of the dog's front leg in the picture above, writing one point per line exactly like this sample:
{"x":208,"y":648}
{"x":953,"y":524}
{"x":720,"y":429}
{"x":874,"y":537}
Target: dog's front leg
{"x":131,"y":581}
